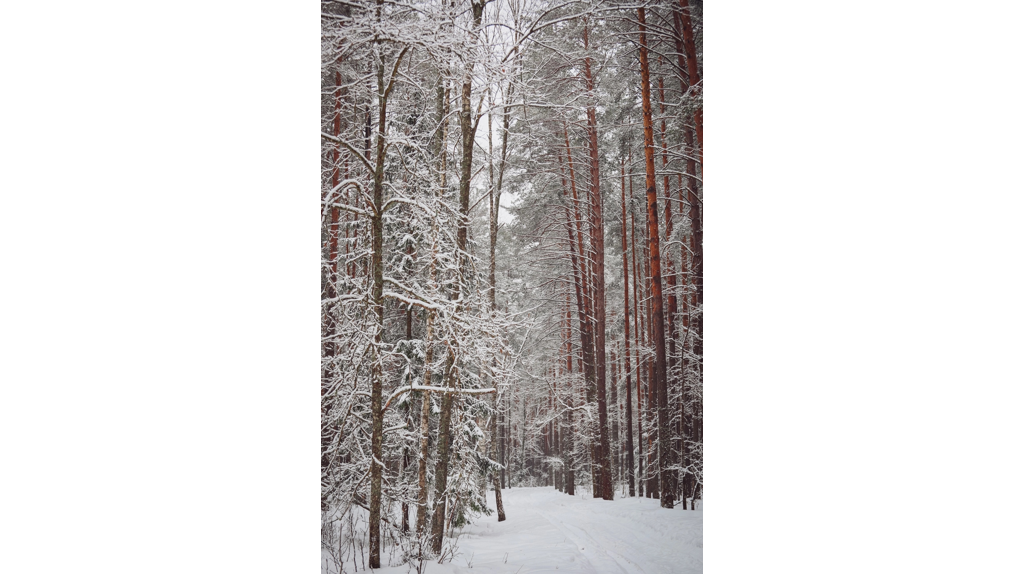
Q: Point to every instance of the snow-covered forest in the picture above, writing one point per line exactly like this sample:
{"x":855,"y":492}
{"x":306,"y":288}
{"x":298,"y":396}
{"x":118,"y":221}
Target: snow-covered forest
{"x":170,"y":302}
{"x":511,"y":265}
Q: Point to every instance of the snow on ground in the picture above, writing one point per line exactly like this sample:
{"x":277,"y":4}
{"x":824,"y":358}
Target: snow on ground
{"x":547,"y":531}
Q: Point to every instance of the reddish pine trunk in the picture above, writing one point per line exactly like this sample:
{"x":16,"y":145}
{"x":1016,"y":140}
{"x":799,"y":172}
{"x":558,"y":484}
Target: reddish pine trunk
{"x":675,"y":376}
{"x":658,"y":324}
{"x":696,"y":236}
{"x":691,"y":199}
{"x":690,"y":47}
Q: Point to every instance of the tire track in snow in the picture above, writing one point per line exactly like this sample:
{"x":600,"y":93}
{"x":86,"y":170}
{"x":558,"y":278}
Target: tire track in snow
{"x":584,"y":539}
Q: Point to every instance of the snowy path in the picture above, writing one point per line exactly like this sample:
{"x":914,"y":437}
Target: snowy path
{"x":548,"y":531}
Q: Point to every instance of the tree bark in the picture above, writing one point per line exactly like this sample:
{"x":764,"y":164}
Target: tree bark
{"x":611,"y":414}
{"x":441,"y":467}
{"x":696,"y":235}
{"x":690,"y":46}
{"x":570,"y":460}
{"x":670,"y":278}
{"x":628,"y":368}
{"x":377,"y":298}
{"x":328,"y":431}
{"x":686,"y":267}
{"x":649,"y":365}
{"x":584,"y":300}
{"x":468,"y":129}
{"x":421,"y":501}
{"x":637,"y":321}
{"x":495,"y":203}
{"x":658,"y":331}
{"x":597,"y":247}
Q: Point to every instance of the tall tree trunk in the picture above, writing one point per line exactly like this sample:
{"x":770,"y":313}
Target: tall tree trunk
{"x":673,"y":375}
{"x":690,"y":46}
{"x":495,"y":202}
{"x":377,"y":298}
{"x":664,"y":450}
{"x":584,"y":302}
{"x":614,"y":441}
{"x":405,"y":450}
{"x":421,"y":501}
{"x":628,"y":368}
{"x":559,"y":439}
{"x":670,"y":276}
{"x":439,"y":145}
{"x":597,"y":246}
{"x":502,"y":441}
{"x":691,"y":188}
{"x":649,"y":363}
{"x":329,"y":431}
{"x":468,"y":129}
{"x":570,"y":460}
{"x":441,"y":466}
{"x":637,"y":321}
{"x":549,"y":455}
{"x":694,"y":87}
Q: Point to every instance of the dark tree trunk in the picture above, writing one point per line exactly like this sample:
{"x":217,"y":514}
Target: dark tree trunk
{"x":611,"y":416}
{"x":328,"y":431}
{"x":495,"y":202}
{"x":559,"y":439}
{"x":689,"y":199}
{"x":658,"y":324}
{"x":441,"y":467}
{"x":690,"y":47}
{"x":584,"y":300}
{"x":468,"y":130}
{"x":421,"y":501}
{"x":628,"y":368}
{"x":637,"y":321}
{"x":377,"y":297}
{"x":649,"y":375}
{"x":670,"y":278}
{"x":570,"y":460}
{"x":597,"y":248}
{"x":693,"y":81}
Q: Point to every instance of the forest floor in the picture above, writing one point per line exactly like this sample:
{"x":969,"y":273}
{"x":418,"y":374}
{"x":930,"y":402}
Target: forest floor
{"x":548,"y":531}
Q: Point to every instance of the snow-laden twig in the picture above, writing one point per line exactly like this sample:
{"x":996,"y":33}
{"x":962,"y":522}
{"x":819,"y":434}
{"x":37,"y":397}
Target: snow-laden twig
{"x":449,"y":390}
